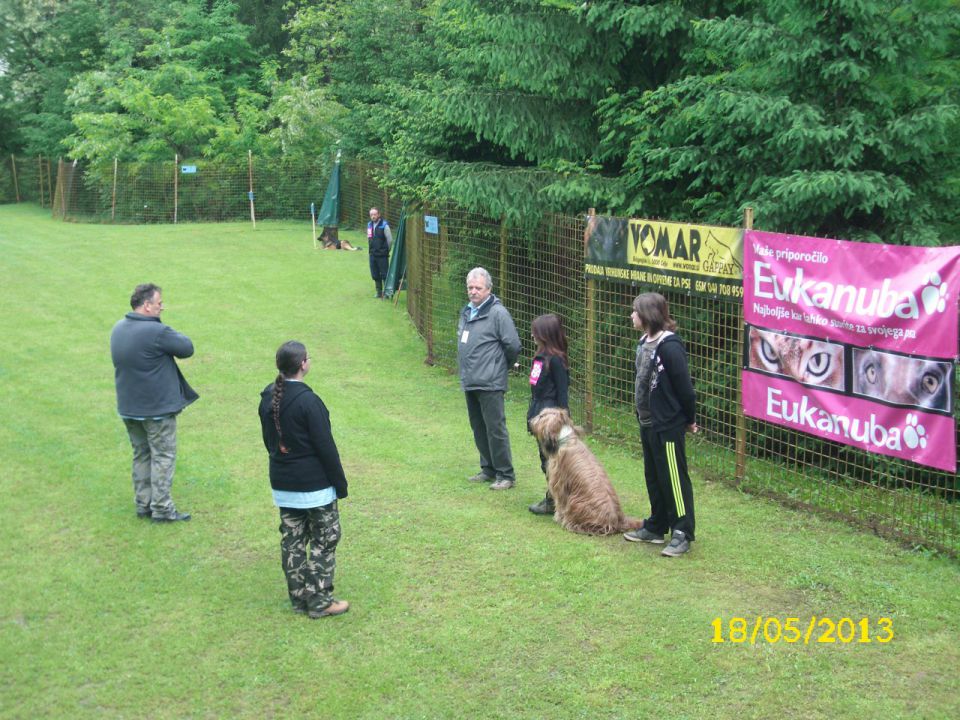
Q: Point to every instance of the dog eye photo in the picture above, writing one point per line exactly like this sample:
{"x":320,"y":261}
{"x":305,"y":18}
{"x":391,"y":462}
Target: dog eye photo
{"x":902,"y":380}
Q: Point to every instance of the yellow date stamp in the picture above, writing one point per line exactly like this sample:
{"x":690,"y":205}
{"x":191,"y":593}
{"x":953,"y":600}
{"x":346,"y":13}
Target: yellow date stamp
{"x":773,"y":630}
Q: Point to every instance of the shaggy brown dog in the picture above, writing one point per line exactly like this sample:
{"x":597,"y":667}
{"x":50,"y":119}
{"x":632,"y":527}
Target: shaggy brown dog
{"x":585,"y":500}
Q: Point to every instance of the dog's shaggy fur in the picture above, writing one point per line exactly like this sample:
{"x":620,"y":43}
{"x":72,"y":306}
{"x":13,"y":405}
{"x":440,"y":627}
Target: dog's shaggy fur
{"x":584,"y":498}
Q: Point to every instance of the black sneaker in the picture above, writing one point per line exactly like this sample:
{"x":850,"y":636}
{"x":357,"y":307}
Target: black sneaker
{"x":544,"y":507}
{"x":678,"y":545}
{"x":176,"y":517}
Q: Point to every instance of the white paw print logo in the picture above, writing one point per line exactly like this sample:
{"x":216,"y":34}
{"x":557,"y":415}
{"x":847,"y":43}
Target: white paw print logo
{"x":934,"y":294}
{"x":913,"y":433}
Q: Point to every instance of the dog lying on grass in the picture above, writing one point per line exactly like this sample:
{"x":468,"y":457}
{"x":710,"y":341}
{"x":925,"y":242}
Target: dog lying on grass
{"x":584,"y":498}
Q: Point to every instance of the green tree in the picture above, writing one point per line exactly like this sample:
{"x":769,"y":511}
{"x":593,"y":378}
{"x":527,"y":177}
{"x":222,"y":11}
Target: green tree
{"x":43,"y":44}
{"x":184,"y":80}
{"x":831,"y":117}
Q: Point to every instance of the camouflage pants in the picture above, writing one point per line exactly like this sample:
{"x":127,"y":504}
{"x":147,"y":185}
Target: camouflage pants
{"x":154,"y":459}
{"x":309,"y":571}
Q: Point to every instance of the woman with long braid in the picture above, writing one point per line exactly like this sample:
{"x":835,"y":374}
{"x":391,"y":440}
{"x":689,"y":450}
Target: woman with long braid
{"x":307,"y":480}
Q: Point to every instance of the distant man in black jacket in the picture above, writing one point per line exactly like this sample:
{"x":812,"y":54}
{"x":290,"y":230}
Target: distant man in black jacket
{"x":151,"y":392}
{"x":380,"y":239}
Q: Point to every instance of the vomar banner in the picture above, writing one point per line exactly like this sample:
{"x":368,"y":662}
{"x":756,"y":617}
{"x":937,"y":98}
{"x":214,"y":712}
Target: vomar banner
{"x":701,"y":259}
{"x":853,"y":342}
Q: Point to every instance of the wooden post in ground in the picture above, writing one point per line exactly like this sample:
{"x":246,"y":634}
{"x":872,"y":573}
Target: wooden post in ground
{"x":61,"y":189}
{"x":49,"y":184}
{"x":741,"y":430}
{"x":176,"y":185}
{"x":16,"y":185}
{"x":590,"y":343}
{"x":253,"y":215}
{"x":40,"y":176}
{"x":113,"y":201}
{"x":502,"y":269}
{"x":363,"y":208}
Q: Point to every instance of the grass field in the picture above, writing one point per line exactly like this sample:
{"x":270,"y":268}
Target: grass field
{"x":463,"y":604}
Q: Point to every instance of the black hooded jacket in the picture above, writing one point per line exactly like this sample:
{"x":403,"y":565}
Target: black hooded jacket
{"x":673,"y":402}
{"x":311,"y":461}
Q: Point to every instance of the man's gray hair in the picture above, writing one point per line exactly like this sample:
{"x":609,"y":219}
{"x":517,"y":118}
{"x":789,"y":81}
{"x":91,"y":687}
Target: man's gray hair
{"x":481,"y":272}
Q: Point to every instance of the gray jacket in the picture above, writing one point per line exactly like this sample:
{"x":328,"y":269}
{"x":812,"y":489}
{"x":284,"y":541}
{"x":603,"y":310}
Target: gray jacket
{"x":149,"y":383}
{"x":491,"y":345}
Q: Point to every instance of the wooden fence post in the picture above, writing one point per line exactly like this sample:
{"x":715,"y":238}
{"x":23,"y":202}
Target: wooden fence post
{"x":741,"y":431}
{"x":176,"y":185}
{"x":16,"y":185}
{"x":502,"y":270}
{"x":61,"y":188}
{"x":49,"y":184}
{"x":590,"y":347}
{"x":362,"y":209}
{"x":253,"y":216}
{"x":113,"y":201}
{"x":40,"y":176}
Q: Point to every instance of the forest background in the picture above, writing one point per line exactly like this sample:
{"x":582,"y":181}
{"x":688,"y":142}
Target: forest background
{"x":835,"y":118}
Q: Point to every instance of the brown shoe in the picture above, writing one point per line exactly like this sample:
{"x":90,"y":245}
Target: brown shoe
{"x":480,"y":477}
{"x":337,"y":607}
{"x":502,"y":484}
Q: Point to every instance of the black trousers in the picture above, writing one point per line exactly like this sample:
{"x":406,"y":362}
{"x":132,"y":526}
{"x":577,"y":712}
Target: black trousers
{"x":668,"y":482}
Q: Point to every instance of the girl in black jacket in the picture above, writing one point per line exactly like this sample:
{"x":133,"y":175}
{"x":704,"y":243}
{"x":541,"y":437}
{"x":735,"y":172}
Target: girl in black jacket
{"x":666,"y":409}
{"x":307,"y":480}
{"x":549,"y":383}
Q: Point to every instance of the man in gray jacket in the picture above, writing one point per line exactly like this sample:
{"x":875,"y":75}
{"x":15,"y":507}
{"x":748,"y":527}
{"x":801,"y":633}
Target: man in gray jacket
{"x":151,"y":391}
{"x":487,"y":345}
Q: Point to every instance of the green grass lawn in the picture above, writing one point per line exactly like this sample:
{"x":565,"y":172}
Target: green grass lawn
{"x":463,"y":605}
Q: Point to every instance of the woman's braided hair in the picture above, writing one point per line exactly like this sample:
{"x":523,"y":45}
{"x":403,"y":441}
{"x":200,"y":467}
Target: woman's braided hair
{"x":290,"y":358}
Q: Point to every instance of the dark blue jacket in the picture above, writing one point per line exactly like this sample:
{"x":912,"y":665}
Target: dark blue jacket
{"x":377,"y":237}
{"x":673,"y":402}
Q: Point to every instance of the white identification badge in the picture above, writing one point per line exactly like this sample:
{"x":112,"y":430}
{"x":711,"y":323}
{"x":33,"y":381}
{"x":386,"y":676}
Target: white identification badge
{"x":466,"y":334}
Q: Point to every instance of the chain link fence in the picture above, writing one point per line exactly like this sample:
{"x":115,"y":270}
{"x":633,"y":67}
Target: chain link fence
{"x":27,"y":180}
{"x":536,"y":270}
{"x":540,"y":270}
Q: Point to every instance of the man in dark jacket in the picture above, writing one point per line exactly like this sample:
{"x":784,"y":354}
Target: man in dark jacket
{"x":151,"y":392}
{"x":487,"y":346}
{"x":380,"y":239}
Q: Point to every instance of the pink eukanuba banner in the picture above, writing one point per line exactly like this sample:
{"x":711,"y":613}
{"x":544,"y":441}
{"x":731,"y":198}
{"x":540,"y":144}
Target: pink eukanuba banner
{"x":922,"y":437}
{"x":869,"y":295}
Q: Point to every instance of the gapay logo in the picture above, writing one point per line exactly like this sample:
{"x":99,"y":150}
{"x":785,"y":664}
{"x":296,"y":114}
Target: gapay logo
{"x":882,"y":302}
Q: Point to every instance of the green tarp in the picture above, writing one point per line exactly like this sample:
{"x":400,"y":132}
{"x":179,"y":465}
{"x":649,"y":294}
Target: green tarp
{"x":330,"y":210}
{"x":398,"y":258}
